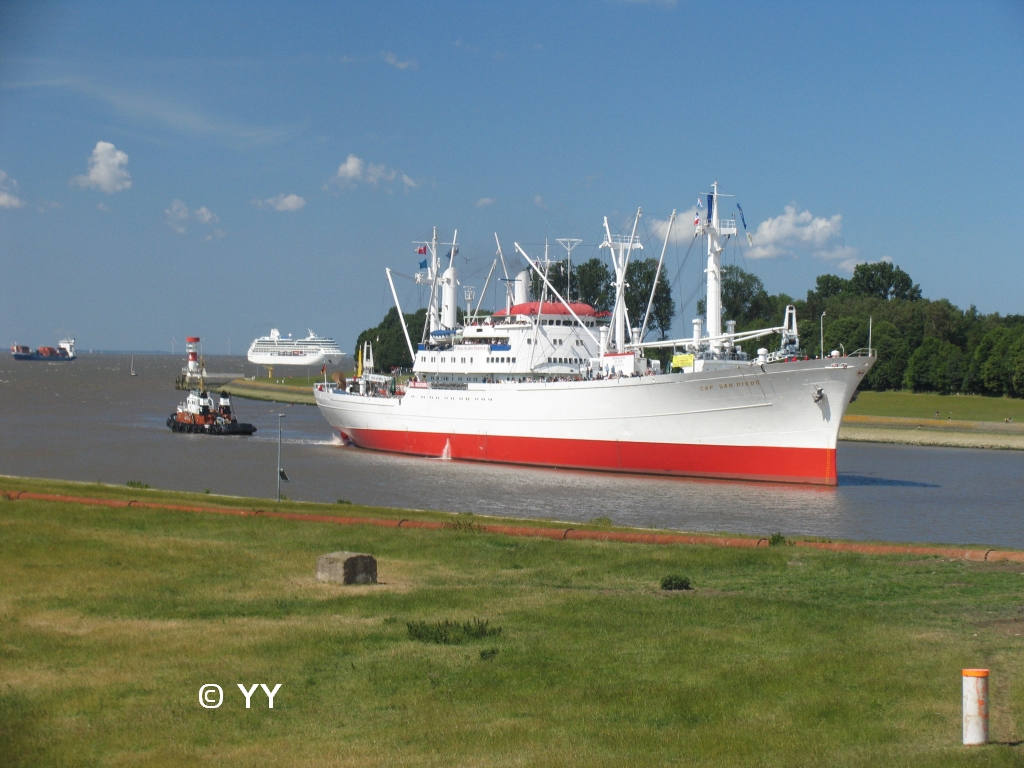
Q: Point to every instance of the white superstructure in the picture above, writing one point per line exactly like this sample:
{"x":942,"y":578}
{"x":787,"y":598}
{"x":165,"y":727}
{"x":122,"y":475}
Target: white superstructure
{"x":554,"y":383}
{"x":276,"y":349}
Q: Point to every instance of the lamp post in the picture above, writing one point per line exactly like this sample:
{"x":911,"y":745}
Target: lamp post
{"x":822,"y":320}
{"x":281,"y":475}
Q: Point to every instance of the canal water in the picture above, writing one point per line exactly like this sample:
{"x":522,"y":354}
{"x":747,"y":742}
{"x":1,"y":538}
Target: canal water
{"x":90,"y":420}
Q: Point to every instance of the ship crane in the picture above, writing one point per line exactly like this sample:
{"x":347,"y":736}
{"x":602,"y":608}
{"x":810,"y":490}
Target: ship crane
{"x":714,"y":347}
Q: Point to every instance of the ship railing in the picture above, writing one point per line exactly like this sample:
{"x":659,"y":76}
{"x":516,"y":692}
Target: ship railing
{"x":448,"y":385}
{"x":862,"y":352}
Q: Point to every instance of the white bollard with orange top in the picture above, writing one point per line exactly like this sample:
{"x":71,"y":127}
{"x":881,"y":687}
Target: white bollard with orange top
{"x":975,"y":707}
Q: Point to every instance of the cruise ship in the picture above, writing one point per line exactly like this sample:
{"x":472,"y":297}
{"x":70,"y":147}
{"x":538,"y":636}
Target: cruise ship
{"x":276,"y":349}
{"x":549,"y":382}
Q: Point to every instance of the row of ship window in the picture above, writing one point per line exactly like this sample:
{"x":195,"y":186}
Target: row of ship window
{"x":423,"y":359}
{"x":588,"y":324}
{"x":562,"y":360}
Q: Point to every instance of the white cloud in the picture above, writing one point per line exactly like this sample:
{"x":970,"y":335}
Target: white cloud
{"x":483,"y":202}
{"x":378,"y":173}
{"x":178,"y":213}
{"x":106,"y":169}
{"x":391,"y":59}
{"x":794,"y":229}
{"x":355,"y":170}
{"x":539,"y":201}
{"x":682,"y":229}
{"x":102,"y":207}
{"x":290,"y":202}
{"x":8,"y":187}
{"x":351,"y":169}
{"x":204,"y":215}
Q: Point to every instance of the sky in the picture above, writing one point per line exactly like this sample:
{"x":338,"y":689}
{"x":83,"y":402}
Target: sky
{"x":219,"y":169}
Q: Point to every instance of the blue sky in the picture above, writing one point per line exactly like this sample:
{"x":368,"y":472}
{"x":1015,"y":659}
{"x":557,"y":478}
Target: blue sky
{"x":222,"y":168}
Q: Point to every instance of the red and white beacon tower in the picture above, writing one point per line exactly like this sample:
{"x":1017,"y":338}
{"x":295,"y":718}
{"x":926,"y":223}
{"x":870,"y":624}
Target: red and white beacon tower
{"x":192,"y":347}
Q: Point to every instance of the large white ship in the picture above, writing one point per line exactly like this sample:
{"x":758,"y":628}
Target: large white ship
{"x":276,"y":349}
{"x":550,"y":383}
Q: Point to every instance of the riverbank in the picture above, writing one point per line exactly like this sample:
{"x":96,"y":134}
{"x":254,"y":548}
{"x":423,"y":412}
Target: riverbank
{"x":935,"y":432}
{"x":269,"y":391}
{"x":777,"y":655}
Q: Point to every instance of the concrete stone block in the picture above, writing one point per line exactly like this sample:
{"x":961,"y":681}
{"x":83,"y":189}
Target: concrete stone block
{"x":347,"y":568}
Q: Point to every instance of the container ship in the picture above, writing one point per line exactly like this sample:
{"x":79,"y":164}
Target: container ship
{"x":549,"y":382}
{"x":62,"y":353}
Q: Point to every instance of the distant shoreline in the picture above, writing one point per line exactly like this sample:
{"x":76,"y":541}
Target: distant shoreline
{"x":947,"y":433}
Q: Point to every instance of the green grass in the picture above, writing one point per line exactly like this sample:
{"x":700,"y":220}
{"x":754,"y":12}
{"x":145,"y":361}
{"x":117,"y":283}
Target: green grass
{"x":923,"y":406}
{"x":111,"y":620}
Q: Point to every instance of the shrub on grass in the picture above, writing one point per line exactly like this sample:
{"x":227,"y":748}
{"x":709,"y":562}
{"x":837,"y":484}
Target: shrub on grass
{"x":674,"y":583}
{"x":488,"y":653}
{"x":343,"y":501}
{"x":776,"y":539}
{"x":448,"y":632}
{"x":464,"y":522}
{"x":138,"y":484}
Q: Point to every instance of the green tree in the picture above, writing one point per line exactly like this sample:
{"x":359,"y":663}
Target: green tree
{"x":884,"y":280}
{"x":592,"y":284}
{"x":639,"y":281}
{"x":935,"y":366}
{"x":388,"y":340}
{"x":891,"y":349}
{"x":743,"y":295}
{"x":1015,"y":365}
{"x":847,"y":333}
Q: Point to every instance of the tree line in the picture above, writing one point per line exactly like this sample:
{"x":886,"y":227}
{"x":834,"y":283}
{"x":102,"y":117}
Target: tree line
{"x":922,"y":344}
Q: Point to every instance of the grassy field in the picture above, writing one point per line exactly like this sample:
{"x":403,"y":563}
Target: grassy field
{"x":112,"y":619}
{"x":912,"y":405}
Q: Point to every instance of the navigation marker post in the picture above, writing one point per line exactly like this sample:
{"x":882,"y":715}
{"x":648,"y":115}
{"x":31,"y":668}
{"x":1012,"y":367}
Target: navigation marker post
{"x":281,"y":474}
{"x":975,"y":685}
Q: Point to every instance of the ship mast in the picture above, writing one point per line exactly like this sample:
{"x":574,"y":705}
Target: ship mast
{"x":620,"y":249}
{"x":718,"y":231}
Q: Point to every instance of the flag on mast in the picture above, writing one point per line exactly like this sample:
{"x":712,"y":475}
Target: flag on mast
{"x":421,"y":250}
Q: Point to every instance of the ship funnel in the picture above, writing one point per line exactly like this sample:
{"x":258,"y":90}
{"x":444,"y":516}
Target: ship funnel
{"x":522,"y":289}
{"x":450,"y":298}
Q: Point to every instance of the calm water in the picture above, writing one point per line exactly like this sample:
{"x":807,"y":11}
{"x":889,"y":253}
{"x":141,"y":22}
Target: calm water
{"x":89,"y":420}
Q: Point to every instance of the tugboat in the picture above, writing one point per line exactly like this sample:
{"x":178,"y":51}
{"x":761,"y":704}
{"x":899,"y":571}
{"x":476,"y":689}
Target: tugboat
{"x":197,"y":415}
{"x":64,"y":352}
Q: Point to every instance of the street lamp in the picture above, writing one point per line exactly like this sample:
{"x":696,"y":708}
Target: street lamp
{"x":822,"y":320}
{"x":281,"y":474}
